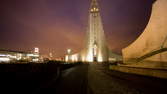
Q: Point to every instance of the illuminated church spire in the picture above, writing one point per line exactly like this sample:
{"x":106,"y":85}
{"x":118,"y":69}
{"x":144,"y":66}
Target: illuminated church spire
{"x":94,"y":6}
{"x":96,"y":49}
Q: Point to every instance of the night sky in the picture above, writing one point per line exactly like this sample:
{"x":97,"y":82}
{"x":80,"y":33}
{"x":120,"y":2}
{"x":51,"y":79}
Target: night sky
{"x":55,"y":25}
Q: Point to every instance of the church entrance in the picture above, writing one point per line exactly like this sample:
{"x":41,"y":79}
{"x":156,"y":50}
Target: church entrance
{"x":95,"y":52}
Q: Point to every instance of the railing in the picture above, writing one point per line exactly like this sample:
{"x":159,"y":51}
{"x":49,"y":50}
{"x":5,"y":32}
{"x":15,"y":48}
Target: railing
{"x":151,"y":54}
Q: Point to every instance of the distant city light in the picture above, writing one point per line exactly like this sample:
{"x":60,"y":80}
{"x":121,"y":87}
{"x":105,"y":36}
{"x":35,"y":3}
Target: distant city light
{"x":50,"y":54}
{"x":35,"y":60}
{"x":91,"y":10}
{"x":74,"y":58}
{"x":112,"y":59}
{"x":33,"y":55}
{"x":14,"y":56}
{"x":68,"y":51}
{"x":19,"y":56}
{"x":36,"y":50}
{"x":4,"y":59}
{"x":66,"y":58}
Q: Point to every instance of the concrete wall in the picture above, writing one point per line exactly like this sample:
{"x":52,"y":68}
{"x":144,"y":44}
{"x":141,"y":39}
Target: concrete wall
{"x":158,"y":73}
{"x":153,"y":38}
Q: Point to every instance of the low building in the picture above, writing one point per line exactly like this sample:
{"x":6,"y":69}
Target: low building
{"x":15,"y":56}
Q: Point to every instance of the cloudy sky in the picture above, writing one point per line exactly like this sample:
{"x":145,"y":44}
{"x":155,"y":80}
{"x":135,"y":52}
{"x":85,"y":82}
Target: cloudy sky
{"x":56,"y":25}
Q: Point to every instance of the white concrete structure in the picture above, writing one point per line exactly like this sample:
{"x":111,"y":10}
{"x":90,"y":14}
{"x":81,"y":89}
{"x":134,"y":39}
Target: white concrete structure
{"x":152,"y":39}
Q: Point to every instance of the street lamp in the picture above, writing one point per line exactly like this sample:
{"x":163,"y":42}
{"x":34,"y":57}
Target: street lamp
{"x":68,"y":51}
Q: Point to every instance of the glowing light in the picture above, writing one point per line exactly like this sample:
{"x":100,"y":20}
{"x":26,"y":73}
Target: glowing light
{"x":4,"y":55}
{"x":50,"y":54}
{"x":83,"y":58}
{"x":90,"y":56}
{"x":112,"y":59}
{"x":36,"y":50}
{"x":74,"y":58}
{"x":4,"y":59}
{"x":33,"y":55}
{"x":68,"y":51}
{"x":66,"y":58}
{"x":95,"y":49}
{"x":13,"y":57}
{"x":100,"y":59}
{"x":35,"y":60}
{"x":91,"y":10}
{"x":19,"y":56}
{"x":94,"y":9}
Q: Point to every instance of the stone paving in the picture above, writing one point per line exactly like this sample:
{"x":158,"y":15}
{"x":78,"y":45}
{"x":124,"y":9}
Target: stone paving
{"x":101,"y":83}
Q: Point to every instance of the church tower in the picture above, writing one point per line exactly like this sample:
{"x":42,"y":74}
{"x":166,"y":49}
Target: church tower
{"x":96,"y":47}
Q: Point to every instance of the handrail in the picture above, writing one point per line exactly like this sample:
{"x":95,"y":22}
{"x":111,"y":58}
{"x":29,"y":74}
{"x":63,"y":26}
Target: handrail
{"x":151,"y":54}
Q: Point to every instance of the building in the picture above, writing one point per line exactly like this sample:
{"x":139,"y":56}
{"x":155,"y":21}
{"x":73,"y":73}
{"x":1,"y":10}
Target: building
{"x":8,"y":56}
{"x":149,"y":50}
{"x":96,"y":49}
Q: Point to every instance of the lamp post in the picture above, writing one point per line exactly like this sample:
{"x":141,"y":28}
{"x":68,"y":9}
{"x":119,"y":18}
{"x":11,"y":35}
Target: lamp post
{"x":68,"y":58}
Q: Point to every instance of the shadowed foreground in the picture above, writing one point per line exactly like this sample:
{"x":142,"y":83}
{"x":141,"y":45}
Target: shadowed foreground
{"x":76,"y":79}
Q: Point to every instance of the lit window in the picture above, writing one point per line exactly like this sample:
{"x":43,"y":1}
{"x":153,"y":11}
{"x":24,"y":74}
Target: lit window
{"x":91,"y":10}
